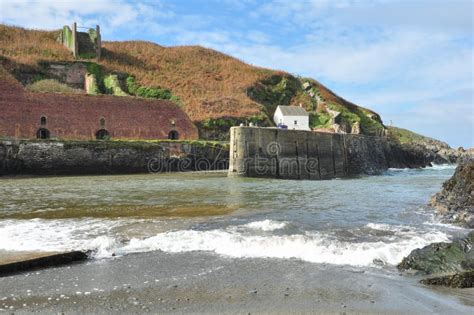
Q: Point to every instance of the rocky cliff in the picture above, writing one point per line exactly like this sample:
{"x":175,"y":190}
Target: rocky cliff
{"x":436,"y":151}
{"x":456,"y":201}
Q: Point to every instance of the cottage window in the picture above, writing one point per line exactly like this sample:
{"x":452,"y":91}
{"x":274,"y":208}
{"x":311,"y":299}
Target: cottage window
{"x":296,"y":122}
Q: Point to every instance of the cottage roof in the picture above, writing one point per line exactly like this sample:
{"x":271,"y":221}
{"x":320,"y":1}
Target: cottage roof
{"x":293,"y":110}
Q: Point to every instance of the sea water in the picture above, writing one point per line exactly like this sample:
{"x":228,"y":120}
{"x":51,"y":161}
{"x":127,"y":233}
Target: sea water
{"x":359,"y":222}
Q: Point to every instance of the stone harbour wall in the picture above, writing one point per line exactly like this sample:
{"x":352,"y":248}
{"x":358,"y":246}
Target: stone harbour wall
{"x":296,"y":154}
{"x":29,"y":157}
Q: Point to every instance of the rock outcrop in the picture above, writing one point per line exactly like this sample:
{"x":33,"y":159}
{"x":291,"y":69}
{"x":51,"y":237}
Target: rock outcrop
{"x":451,"y":263}
{"x":458,"y":280}
{"x":456,"y":201}
{"x":437,"y":152}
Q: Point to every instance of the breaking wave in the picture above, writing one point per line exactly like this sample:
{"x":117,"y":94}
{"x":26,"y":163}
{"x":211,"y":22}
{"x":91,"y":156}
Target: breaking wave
{"x":385,"y":242}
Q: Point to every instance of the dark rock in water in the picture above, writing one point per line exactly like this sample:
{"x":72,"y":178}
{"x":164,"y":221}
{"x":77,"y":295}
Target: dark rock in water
{"x":458,"y":280}
{"x":441,"y":257}
{"x":408,"y":156}
{"x":456,"y":201}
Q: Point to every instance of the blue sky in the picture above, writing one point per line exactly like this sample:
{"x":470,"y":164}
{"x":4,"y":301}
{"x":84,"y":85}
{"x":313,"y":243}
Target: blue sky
{"x":409,"y":60}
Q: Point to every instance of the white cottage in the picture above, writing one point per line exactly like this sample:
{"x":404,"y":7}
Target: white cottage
{"x":294,"y":117}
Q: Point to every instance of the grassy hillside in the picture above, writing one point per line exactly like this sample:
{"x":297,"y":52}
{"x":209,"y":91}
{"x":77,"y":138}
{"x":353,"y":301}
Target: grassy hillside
{"x":214,"y":89}
{"x":405,"y":136}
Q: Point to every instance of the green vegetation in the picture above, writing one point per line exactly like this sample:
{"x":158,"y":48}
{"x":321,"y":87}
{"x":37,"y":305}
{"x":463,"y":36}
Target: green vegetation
{"x":346,"y":115}
{"x":38,"y":77}
{"x":368,"y":125}
{"x":212,"y":123}
{"x":67,"y":37}
{"x":150,"y":92}
{"x":404,"y":136}
{"x":202,"y":143}
{"x":127,"y":143}
{"x":147,"y":92}
{"x":226,"y":123}
{"x":87,"y":55}
{"x":112,"y":85}
{"x":319,"y":120}
{"x":96,"y":70}
{"x":175,"y":99}
{"x":51,"y":86}
{"x":305,"y":100}
{"x":92,"y":34}
{"x":278,"y":89}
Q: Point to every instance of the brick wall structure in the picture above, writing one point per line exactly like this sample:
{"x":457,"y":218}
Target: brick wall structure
{"x":66,"y":116}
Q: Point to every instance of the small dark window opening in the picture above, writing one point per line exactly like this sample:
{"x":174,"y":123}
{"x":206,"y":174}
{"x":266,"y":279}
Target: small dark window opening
{"x":43,"y":121}
{"x":42,"y":133}
{"x":296,"y":122}
{"x":102,"y":134}
{"x":102,"y":122}
{"x":173,"y":135}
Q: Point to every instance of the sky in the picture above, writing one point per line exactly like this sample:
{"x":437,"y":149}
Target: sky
{"x":411,"y":61}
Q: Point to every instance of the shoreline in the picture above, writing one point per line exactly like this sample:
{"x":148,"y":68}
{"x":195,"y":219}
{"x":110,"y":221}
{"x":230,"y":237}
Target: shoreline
{"x":207,"y":283}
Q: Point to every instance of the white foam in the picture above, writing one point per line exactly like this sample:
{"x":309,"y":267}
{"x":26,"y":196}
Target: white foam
{"x":382,"y":226}
{"x":437,"y":167}
{"x":266,"y":225}
{"x":58,"y":235}
{"x":311,"y":246}
{"x":444,"y":166}
{"x":242,"y":241}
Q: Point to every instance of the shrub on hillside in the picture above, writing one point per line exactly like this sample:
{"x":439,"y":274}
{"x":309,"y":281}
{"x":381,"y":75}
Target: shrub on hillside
{"x":149,"y":92}
{"x":51,"y":86}
{"x":112,"y":85}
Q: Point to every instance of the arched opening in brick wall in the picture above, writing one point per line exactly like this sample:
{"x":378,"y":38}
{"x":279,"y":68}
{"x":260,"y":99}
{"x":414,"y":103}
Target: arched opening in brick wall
{"x":102,"y":134}
{"x":173,"y":135}
{"x":102,"y":122}
{"x":42,"y":133}
{"x":43,"y":121}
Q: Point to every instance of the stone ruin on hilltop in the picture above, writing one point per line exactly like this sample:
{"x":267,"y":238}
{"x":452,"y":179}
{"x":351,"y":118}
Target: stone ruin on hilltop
{"x":85,"y":45}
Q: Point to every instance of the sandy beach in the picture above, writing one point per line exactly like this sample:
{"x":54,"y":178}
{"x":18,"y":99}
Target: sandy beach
{"x":195,"y":282}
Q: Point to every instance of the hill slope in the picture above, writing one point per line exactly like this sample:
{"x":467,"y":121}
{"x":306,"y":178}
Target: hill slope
{"x":215,"y":90}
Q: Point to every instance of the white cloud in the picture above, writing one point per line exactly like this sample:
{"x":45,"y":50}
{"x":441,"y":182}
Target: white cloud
{"x":110,"y":14}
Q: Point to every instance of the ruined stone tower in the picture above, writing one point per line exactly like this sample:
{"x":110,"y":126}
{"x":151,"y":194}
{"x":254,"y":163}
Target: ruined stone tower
{"x":83,"y":45}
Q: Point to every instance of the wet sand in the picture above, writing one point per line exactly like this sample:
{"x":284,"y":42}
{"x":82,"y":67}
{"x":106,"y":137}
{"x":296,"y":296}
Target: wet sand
{"x":198,"y":282}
